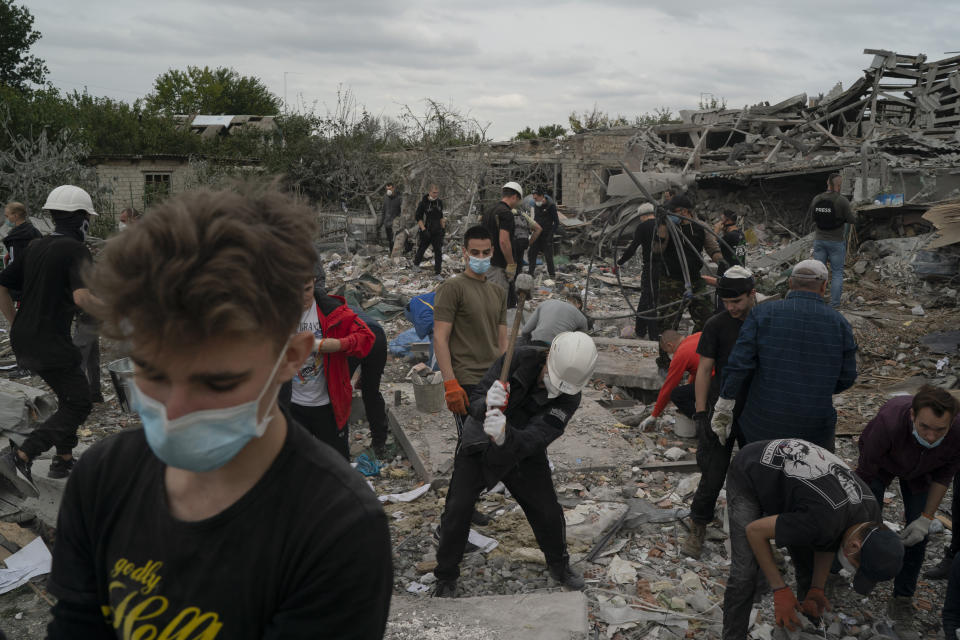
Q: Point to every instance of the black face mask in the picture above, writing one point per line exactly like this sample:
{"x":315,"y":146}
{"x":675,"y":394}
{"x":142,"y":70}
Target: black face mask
{"x":73,"y":224}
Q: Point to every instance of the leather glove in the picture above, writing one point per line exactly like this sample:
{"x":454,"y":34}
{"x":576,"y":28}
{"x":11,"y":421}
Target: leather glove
{"x":722,"y":418}
{"x":785,"y":607}
{"x":495,"y":426}
{"x":651,"y":423}
{"x":498,"y":395}
{"x":815,"y":603}
{"x":916,"y":530}
{"x":511,"y":270}
{"x":456,"y":397}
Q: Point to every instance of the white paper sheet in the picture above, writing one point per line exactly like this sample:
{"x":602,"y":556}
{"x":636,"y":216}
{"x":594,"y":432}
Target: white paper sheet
{"x":408,"y":496}
{"x":33,"y":560}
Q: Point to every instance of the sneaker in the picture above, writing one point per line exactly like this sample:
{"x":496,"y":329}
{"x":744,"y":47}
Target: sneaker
{"x":941,"y":571}
{"x":468,"y":548}
{"x":566,"y":576}
{"x":18,"y":373}
{"x":17,"y":471}
{"x":60,"y":467}
{"x":693,"y":544}
{"x":445,"y":589}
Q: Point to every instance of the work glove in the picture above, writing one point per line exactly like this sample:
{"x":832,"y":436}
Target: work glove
{"x":722,"y":266}
{"x":456,"y":397}
{"x":498,"y":395}
{"x":495,"y":426}
{"x":815,"y":603}
{"x":722,"y":419}
{"x":785,"y":607}
{"x":916,"y":530}
{"x":650,"y":424}
{"x":511,"y":270}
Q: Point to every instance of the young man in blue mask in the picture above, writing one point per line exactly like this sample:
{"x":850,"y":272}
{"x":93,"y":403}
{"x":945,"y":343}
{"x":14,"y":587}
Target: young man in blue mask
{"x":48,"y":273}
{"x":222,"y":517}
{"x":917,"y":440}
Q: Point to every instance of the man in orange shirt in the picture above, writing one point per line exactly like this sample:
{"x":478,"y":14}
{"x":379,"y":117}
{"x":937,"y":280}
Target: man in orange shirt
{"x":685,"y":359}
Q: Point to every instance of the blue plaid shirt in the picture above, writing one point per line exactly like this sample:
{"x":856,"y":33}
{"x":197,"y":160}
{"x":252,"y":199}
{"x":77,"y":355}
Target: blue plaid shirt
{"x":800,"y":352}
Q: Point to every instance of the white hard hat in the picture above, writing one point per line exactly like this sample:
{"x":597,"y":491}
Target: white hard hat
{"x":69,"y":198}
{"x":515,"y":186}
{"x":571,"y":361}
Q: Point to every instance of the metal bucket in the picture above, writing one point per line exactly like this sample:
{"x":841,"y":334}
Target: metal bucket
{"x":684,"y":427}
{"x":429,"y":398}
{"x":121,"y":372}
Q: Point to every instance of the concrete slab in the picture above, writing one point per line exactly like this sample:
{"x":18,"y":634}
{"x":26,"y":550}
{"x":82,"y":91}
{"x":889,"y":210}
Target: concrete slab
{"x":533,"y":616}
{"x":591,"y":441}
{"x":627,"y":369}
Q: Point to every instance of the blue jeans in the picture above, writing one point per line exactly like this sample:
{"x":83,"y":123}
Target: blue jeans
{"x":834,"y":253}
{"x":913,"y":503}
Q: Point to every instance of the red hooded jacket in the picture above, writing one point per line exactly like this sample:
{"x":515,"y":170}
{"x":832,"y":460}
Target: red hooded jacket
{"x":338,"y":321}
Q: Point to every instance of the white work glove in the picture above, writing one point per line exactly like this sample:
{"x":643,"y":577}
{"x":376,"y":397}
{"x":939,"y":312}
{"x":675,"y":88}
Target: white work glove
{"x":497,"y":395}
{"x":722,"y":419}
{"x":916,"y":531}
{"x":495,"y":426}
{"x":650,"y":424}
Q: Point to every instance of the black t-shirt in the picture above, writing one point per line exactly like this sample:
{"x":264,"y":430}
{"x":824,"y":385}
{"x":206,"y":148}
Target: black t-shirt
{"x":642,"y":238}
{"x":813,"y":492}
{"x":737,"y":254}
{"x":498,"y":217}
{"x":719,"y":336}
{"x":305,"y":553}
{"x":48,"y":272}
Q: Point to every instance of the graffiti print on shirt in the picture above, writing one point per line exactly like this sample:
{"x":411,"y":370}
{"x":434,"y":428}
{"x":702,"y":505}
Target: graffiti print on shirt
{"x":816,"y":467}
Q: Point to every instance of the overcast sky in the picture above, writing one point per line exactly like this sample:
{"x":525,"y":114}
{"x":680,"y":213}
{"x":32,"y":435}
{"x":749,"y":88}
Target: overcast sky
{"x":511,"y":64}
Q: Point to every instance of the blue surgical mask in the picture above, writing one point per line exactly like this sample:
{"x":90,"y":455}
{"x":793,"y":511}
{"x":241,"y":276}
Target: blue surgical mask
{"x":479,"y":265}
{"x":8,"y":224}
{"x":202,"y":440}
{"x":924,"y":443}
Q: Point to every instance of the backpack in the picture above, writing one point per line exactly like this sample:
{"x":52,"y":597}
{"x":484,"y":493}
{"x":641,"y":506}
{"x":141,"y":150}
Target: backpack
{"x":825,"y":215}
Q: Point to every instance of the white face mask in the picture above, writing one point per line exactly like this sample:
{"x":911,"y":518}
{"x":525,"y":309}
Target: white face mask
{"x":552,"y":390}
{"x":845,"y":562}
{"x":389,"y":192}
{"x":121,"y":226}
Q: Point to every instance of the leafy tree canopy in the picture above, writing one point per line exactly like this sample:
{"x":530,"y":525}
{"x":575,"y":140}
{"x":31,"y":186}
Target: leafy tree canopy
{"x":17,"y":68}
{"x":544,"y":131}
{"x":211,"y":92}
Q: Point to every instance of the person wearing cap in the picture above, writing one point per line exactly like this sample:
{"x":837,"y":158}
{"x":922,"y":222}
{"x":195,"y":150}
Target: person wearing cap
{"x":831,"y":213}
{"x":516,"y":422}
{"x":651,"y":248}
{"x":429,"y":217}
{"x":672,"y":278}
{"x":498,"y":220}
{"x":915,"y":439}
{"x":684,"y":359}
{"x":49,"y":273}
{"x":736,"y":290}
{"x":802,"y":497}
{"x":545,"y":215}
{"x":793,"y":355}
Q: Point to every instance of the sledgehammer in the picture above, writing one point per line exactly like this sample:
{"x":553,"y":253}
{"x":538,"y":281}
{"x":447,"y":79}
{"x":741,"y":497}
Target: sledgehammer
{"x":524,"y":287}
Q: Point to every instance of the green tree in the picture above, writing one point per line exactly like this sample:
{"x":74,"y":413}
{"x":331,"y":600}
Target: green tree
{"x":211,"y":91}
{"x":544,"y":131}
{"x":17,"y":35}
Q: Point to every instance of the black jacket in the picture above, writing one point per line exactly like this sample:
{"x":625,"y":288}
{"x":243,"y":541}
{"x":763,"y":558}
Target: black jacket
{"x":18,"y":239}
{"x":431,"y":212}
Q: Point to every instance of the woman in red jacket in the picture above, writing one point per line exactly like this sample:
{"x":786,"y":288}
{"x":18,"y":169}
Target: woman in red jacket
{"x":320,"y":394}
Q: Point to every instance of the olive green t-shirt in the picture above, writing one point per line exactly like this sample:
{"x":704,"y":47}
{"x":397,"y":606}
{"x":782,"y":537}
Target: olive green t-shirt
{"x":476,"y":308}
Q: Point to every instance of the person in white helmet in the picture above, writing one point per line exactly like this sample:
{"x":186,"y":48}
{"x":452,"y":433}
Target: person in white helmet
{"x":506,"y":441}
{"x":49,"y":275}
{"x":498,"y":220}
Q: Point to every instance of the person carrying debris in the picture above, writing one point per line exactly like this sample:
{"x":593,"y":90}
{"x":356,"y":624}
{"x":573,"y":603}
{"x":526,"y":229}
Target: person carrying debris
{"x":222,"y":516}
{"x":429,"y":217}
{"x":684,"y":359}
{"x":320,"y":395}
{"x":519,"y":421}
{"x":498,"y":220}
{"x":915,"y":439}
{"x":831,"y":213}
{"x":553,"y":317}
{"x":390,"y":211}
{"x":545,"y":215}
{"x":694,"y":240}
{"x":646,"y":239}
{"x":805,"y":498}
{"x":736,"y":289}
{"x":799,"y":352}
{"x":49,"y":273}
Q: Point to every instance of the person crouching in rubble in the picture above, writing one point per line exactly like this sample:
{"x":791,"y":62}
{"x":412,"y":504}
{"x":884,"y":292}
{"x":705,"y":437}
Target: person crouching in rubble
{"x":222,"y":516}
{"x":683,"y":359}
{"x":916,"y":439}
{"x":506,"y":439}
{"x":802,"y":497}
{"x":320,"y":395}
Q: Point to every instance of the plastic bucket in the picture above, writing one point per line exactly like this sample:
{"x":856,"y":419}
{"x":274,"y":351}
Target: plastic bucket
{"x":684,"y":427}
{"x":429,"y":398}
{"x":121,"y":371}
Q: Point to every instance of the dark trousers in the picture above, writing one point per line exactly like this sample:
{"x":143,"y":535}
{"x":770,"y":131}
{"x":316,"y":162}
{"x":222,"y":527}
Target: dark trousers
{"x":684,"y":397}
{"x":388,"y":229}
{"x":905,"y":584}
{"x":531,"y":486}
{"x":742,"y":509}
{"x":955,"y":513}
{"x":951,"y":604}
{"x":543,"y":244}
{"x":520,"y":246}
{"x":319,"y":421}
{"x":86,"y":337}
{"x":430,"y":239}
{"x":713,"y":459}
{"x":646,"y":323}
{"x":73,"y":399}
{"x":371,"y":371}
